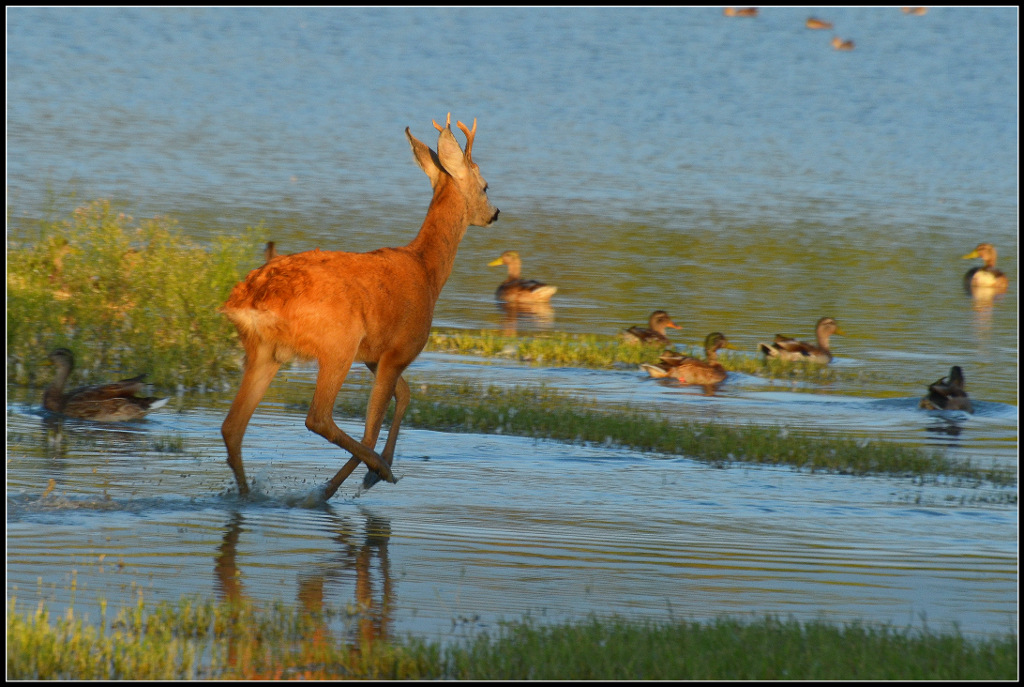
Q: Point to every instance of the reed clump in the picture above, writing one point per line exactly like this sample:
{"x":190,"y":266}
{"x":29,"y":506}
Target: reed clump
{"x":196,"y":639}
{"x":123,"y":294}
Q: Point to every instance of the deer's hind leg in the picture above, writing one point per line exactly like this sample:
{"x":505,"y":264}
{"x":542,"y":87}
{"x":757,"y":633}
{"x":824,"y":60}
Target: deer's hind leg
{"x":260,"y":368}
{"x":321,"y":420}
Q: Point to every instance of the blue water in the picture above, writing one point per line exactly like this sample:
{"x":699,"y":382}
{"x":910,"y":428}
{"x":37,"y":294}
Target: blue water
{"x":604,"y":112}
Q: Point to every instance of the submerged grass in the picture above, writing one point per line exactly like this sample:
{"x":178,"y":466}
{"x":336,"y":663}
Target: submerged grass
{"x":124,"y":295}
{"x":240,"y":640}
{"x":544,"y":413}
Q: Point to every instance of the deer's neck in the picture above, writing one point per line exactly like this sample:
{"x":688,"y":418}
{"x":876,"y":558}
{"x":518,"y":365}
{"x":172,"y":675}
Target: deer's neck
{"x":439,"y":237}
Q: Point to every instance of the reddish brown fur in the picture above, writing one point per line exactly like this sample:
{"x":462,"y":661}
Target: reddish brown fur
{"x":338,"y":307}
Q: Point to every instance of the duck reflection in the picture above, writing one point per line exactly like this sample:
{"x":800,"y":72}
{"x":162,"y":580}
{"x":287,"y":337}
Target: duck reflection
{"x":61,"y":433}
{"x":363,"y":553}
{"x":947,"y":426}
{"x":529,"y":315}
{"x":982,"y":303}
{"x":54,"y":447}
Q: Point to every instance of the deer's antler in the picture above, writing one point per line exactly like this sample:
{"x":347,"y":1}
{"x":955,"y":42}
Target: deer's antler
{"x":447,"y":124}
{"x":470,"y":134}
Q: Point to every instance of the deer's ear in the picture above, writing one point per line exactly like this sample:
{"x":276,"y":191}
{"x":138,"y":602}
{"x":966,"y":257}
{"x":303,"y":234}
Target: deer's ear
{"x":425,"y":158}
{"x":450,"y":154}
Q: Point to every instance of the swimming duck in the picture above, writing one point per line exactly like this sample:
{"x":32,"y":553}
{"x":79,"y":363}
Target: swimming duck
{"x":839,"y":44}
{"x":102,"y":403}
{"x":516,"y":290}
{"x":948,"y":393}
{"x":741,"y":12}
{"x":815,"y":23}
{"x":986,"y":278}
{"x":654,"y":333}
{"x":790,"y":349}
{"x":270,"y":252}
{"x":690,"y":370}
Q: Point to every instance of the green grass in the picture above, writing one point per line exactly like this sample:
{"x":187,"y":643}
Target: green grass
{"x":540,"y":412}
{"x":606,"y":352}
{"x":126,"y":296}
{"x":196,"y":639}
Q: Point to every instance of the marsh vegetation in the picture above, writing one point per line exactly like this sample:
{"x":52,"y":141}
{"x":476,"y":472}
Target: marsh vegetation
{"x":140,"y":295}
{"x":195,"y":639}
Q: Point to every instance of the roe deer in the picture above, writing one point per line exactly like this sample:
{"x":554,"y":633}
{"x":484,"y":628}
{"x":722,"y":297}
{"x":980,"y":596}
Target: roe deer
{"x":339,"y":307}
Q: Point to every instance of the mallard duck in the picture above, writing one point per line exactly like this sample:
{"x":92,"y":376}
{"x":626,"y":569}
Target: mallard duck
{"x":948,"y":393}
{"x":516,"y":290}
{"x":270,"y":252}
{"x":690,"y":370}
{"x":815,"y":23}
{"x":103,"y":403}
{"x":741,"y":12}
{"x":985,"y":278}
{"x":839,"y":44}
{"x":790,"y":349}
{"x":654,"y":333}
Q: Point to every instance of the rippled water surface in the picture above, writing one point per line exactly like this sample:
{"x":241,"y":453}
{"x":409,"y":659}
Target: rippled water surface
{"x":738,"y":173}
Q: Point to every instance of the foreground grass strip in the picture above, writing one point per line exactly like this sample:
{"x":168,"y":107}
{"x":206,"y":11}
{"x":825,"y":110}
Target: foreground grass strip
{"x":542,"y":413}
{"x":769,"y":649}
{"x":207,"y":640}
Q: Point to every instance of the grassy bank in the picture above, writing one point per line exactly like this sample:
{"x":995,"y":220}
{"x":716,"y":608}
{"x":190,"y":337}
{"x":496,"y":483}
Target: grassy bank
{"x":126,"y":296}
{"x":207,"y":640}
{"x":607,"y":352}
{"x":540,"y":412}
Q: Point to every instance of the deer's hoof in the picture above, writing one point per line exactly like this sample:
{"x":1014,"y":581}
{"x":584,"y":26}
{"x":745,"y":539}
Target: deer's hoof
{"x":371,"y":478}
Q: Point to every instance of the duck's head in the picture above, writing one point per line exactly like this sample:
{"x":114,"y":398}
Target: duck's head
{"x":985,"y":251}
{"x":829,"y":326}
{"x":956,"y":376}
{"x":716,"y":340}
{"x":659,"y":319}
{"x":62,"y":357}
{"x":509,"y":257}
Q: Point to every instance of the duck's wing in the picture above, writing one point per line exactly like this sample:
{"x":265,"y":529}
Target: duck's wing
{"x":527,"y":289}
{"x":126,"y":388}
{"x":114,"y":409}
{"x":946,"y":398}
{"x":636,"y":334}
{"x":658,"y":371}
{"x":947,"y":395}
{"x":785,"y":343}
{"x":693,"y":371}
{"x":673,"y":357}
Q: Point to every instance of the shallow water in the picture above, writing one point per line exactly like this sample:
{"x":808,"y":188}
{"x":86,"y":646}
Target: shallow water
{"x":738,"y":173}
{"x":484,"y":528}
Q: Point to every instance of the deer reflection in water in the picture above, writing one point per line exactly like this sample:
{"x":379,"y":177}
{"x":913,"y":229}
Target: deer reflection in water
{"x":356,"y":553}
